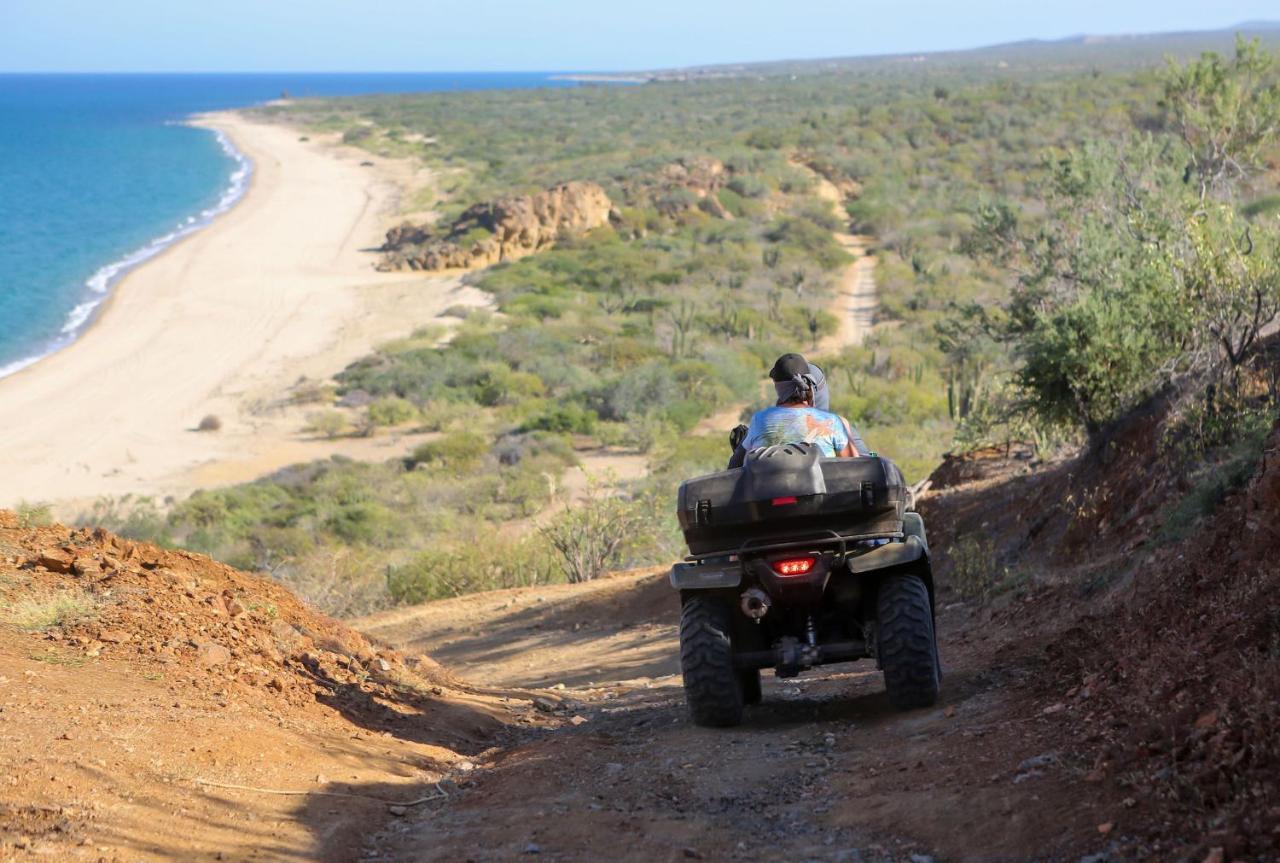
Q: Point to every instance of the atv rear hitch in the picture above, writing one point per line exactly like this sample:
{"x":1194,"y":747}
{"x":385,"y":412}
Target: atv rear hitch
{"x":789,"y":657}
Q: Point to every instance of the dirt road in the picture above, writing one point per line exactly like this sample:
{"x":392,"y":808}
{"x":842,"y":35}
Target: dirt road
{"x":824,"y":769}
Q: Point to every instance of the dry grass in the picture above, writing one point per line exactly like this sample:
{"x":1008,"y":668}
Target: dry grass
{"x":37,"y":613}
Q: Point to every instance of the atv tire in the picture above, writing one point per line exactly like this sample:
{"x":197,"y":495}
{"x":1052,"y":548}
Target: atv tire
{"x":749,"y":680}
{"x":905,"y":642}
{"x":712,"y":686}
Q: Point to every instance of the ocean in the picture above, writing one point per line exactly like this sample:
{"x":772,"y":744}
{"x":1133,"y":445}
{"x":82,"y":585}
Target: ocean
{"x":98,"y":174}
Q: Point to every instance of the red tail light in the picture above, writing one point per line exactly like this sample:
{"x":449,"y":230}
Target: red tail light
{"x":783,"y":501}
{"x":794,"y":565}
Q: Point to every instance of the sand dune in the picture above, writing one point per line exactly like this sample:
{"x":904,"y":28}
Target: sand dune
{"x":222,"y":323}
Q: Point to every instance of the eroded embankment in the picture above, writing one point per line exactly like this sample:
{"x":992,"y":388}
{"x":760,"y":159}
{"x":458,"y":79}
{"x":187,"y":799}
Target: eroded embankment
{"x":157,"y":705}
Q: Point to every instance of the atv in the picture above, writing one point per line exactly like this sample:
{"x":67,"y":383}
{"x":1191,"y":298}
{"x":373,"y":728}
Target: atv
{"x":797,"y":561}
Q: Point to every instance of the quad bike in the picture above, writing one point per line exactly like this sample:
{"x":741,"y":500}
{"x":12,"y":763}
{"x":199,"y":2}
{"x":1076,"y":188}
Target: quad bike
{"x":798,"y":561}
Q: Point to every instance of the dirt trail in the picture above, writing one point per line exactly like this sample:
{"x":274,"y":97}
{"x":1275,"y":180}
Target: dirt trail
{"x":854,"y":304}
{"x":823,"y":770}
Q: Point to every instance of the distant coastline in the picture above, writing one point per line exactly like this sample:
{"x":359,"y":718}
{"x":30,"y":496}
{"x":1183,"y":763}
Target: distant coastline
{"x":278,"y":288}
{"x":606,"y":77}
{"x":99,"y":286}
{"x":108,"y":174}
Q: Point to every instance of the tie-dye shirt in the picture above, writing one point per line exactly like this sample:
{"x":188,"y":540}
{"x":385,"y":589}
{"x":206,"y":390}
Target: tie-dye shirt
{"x":779,"y":425}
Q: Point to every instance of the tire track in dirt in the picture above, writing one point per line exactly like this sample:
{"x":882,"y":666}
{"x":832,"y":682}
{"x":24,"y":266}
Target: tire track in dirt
{"x":824,"y":769}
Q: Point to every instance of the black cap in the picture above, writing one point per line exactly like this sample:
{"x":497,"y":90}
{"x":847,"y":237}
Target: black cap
{"x":788,"y":366}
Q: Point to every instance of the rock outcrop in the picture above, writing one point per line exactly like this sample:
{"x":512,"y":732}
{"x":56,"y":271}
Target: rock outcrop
{"x":500,"y":230}
{"x":684,"y":186}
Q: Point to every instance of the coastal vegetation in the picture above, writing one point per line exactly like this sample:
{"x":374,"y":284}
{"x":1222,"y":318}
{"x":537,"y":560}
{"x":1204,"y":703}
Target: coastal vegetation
{"x":1050,"y":249}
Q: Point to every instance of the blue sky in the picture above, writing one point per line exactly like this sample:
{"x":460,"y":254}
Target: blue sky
{"x":464,"y":35}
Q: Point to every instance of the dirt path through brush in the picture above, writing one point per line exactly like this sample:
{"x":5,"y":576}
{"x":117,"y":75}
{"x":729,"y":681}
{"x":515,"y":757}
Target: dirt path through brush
{"x":854,"y":305}
{"x":823,"y":770}
{"x":855,"y":302}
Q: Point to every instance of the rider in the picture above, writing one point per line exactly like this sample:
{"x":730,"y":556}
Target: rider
{"x":800,"y":415}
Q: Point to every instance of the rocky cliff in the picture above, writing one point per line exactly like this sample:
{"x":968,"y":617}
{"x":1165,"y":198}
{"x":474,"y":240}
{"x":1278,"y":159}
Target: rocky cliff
{"x":499,"y":230}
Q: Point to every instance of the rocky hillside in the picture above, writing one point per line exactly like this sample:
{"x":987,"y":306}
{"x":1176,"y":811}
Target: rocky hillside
{"x":158,"y":705}
{"x":1160,"y":645}
{"x":499,"y":230}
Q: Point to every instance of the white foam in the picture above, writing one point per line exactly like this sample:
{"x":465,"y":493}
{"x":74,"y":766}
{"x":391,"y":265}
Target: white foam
{"x":99,"y":285}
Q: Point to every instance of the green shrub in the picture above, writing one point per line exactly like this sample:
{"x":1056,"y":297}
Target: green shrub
{"x":365,"y":522}
{"x":600,"y":532}
{"x":136,"y":518}
{"x":566,"y":418}
{"x":1223,"y":469}
{"x":457,"y":451}
{"x":391,"y":411}
{"x":468,"y":567}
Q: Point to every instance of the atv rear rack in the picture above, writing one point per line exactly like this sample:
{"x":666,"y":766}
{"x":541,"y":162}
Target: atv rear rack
{"x":751,"y":546}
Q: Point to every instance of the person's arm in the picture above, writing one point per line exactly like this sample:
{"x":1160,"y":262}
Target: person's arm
{"x":856,"y":446}
{"x":738,"y":457}
{"x":738,"y":439}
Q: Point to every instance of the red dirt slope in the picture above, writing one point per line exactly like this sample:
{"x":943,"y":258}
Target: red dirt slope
{"x":169,"y":676}
{"x":1165,"y":655}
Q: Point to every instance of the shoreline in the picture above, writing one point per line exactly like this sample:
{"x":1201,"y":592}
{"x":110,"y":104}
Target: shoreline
{"x":223,"y":321}
{"x":99,"y":287}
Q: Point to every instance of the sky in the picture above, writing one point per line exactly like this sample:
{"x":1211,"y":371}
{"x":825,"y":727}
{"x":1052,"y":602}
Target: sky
{"x":545,"y":35}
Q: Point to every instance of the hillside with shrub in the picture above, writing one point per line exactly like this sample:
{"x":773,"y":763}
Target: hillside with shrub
{"x":1076,"y":348}
{"x":1050,"y":250}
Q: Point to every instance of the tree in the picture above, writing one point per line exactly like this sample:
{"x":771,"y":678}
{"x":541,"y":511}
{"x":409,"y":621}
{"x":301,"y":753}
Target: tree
{"x":1226,"y":111}
{"x":1096,"y":315}
{"x":1231,"y":274}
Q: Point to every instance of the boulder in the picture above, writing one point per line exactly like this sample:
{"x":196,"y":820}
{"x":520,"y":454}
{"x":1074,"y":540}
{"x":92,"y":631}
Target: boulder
{"x":210,"y":654}
{"x":500,"y":230}
{"x":56,"y":560}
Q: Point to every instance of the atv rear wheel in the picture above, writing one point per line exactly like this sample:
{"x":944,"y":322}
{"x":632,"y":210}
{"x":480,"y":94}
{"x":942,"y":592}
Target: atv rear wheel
{"x":712,"y":686}
{"x":905,"y":642}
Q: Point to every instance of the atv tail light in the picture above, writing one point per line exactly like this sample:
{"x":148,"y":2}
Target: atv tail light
{"x":794,"y":565}
{"x":783,"y":501}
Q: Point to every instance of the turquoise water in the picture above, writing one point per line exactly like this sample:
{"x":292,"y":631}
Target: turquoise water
{"x":97,"y":174}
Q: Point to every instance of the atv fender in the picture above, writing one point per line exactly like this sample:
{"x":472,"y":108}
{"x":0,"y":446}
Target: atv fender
{"x":693,"y":576}
{"x":890,"y":554}
{"x":913,"y":525}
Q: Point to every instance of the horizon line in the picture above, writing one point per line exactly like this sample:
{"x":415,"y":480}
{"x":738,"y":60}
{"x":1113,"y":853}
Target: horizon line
{"x":1240,"y":26}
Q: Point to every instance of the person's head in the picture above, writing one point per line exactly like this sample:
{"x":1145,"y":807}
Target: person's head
{"x":798,"y":381}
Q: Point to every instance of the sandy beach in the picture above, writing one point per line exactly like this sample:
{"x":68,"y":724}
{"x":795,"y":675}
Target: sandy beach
{"x":280,"y":288}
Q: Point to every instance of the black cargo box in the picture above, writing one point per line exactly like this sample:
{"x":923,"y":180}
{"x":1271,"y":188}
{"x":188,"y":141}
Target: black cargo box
{"x":791,"y":492}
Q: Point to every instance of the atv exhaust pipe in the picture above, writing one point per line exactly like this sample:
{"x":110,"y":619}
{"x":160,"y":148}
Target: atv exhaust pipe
{"x":755,"y":603}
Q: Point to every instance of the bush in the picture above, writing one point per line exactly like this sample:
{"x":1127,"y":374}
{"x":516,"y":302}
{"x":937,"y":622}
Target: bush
{"x":34,"y":514}
{"x":1241,"y":440}
{"x":469,"y":567}
{"x":209,"y":423}
{"x":565,"y":418}
{"x":327,"y":424}
{"x":342,"y":581}
{"x":599,"y":533}
{"x":391,"y":411}
{"x":456,"y":450}
{"x":134,"y":518}
{"x":313,"y":392}
{"x":974,"y":571}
